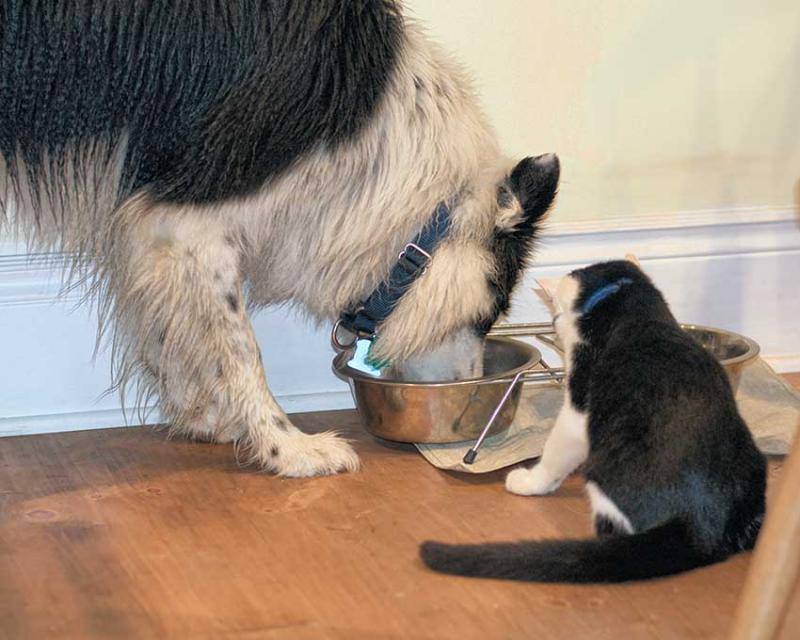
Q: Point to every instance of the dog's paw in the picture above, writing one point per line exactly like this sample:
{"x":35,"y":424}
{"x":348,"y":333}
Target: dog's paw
{"x":531,"y":482}
{"x":320,"y":454}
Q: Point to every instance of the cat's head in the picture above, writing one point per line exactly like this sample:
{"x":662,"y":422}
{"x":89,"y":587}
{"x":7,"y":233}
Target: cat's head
{"x":594,"y":300}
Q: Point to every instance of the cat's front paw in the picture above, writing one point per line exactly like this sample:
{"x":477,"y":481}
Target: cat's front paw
{"x":531,"y":482}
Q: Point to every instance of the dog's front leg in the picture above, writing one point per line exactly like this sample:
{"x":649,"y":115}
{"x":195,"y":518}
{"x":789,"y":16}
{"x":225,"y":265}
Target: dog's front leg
{"x":181,"y":317}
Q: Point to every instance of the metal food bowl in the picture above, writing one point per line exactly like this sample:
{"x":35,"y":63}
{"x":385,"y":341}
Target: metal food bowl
{"x":733,"y":351}
{"x":438,"y":412}
{"x":441,"y":412}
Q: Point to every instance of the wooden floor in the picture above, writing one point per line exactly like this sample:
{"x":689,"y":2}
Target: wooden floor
{"x":118,"y":534}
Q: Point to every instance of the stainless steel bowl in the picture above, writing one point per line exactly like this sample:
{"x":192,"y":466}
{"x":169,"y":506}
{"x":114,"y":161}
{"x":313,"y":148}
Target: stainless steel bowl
{"x":733,"y":351}
{"x":438,"y":412}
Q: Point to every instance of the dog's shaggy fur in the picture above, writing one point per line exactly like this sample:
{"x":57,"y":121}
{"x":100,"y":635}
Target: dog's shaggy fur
{"x":181,"y":149}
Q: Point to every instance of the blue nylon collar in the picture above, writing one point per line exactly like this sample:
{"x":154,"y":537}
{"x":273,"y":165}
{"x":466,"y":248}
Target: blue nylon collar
{"x":410,"y":265}
{"x":604,"y":292}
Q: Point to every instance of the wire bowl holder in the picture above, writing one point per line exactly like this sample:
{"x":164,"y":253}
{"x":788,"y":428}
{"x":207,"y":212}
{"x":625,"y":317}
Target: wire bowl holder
{"x":543,"y":373}
{"x":443,"y":412}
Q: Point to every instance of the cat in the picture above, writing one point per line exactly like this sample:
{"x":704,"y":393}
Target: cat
{"x":673,"y":475}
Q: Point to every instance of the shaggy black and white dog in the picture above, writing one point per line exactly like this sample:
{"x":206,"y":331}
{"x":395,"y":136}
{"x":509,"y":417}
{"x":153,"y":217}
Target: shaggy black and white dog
{"x":182,"y":149}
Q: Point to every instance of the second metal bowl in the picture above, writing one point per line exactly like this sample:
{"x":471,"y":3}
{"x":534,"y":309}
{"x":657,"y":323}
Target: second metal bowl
{"x":733,"y":351}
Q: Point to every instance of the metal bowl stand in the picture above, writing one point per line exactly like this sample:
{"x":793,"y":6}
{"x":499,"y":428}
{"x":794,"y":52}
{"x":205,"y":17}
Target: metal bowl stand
{"x":544,"y":373}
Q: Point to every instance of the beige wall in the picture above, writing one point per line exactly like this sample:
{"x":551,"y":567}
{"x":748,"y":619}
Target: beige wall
{"x":653,"y":105}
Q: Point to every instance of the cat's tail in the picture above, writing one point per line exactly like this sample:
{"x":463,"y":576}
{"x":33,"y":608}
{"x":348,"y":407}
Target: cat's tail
{"x":660,"y":551}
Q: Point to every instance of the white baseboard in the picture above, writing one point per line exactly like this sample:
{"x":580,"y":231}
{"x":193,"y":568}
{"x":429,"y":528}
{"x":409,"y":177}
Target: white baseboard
{"x":735,"y":269}
{"x":784,"y":364}
{"x":109,"y":418}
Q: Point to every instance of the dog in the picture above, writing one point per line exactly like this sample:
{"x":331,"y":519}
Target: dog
{"x":197,"y":159}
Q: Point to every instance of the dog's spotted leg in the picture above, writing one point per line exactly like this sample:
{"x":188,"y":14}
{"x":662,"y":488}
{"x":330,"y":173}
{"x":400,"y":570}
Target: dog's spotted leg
{"x":180,"y":308}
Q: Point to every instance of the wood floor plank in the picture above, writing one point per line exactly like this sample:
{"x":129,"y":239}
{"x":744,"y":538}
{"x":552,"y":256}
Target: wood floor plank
{"x":119,"y":534}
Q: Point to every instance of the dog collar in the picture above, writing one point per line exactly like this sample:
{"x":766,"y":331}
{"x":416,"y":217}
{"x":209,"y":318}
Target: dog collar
{"x":363,"y":321}
{"x":604,"y":292}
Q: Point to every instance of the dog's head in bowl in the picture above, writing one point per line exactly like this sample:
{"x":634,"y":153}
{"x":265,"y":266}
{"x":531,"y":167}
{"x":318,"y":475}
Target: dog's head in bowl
{"x":470,"y":283}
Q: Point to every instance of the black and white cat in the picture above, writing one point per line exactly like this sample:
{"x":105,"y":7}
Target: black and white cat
{"x":674,"y":477}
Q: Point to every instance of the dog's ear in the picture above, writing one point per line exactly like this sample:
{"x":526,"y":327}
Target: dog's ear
{"x":522,"y":199}
{"x":527,"y":194}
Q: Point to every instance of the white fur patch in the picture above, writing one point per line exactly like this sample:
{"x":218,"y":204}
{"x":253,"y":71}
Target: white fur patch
{"x":457,"y":358}
{"x":602,"y":505}
{"x":566,"y":448}
{"x":509,"y":216}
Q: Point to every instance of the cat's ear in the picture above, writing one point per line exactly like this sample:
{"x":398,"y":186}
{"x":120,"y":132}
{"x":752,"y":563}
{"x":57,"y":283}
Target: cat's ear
{"x":633,"y":260}
{"x":527,"y":194}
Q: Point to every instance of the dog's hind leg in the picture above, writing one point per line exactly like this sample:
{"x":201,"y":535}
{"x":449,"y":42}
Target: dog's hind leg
{"x":175,"y":280}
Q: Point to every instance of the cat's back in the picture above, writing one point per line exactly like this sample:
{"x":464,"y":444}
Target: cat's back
{"x":658,"y":357}
{"x":654,"y":382}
